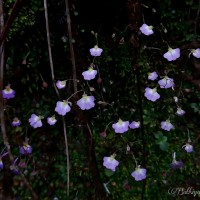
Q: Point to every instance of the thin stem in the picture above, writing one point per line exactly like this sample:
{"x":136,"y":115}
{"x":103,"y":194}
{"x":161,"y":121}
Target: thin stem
{"x":49,"y":48}
{"x":139,"y":94}
{"x":52,"y":76}
{"x":71,"y":45}
{"x":67,"y":153}
{"x":74,"y":94}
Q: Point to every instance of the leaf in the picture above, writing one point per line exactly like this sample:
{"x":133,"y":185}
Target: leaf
{"x":108,"y":172}
{"x":164,"y":146}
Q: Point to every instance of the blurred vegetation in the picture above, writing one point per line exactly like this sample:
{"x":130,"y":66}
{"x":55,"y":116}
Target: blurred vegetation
{"x":27,"y":70}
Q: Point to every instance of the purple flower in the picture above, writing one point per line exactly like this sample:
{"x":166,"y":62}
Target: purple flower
{"x":62,"y":107}
{"x":134,"y":125}
{"x":16,"y":122}
{"x":166,"y":82}
{"x":172,"y":54}
{"x":26,"y":149}
{"x":14,"y":169}
{"x":89,"y":74}
{"x":96,"y":51}
{"x":8,"y":93}
{"x":152,"y":76}
{"x":35,"y":121}
{"x":146,"y":30}
{"x":188,"y":147}
{"x":139,"y":174}
{"x":61,"y":84}
{"x":110,"y":162}
{"x":51,"y":120}
{"x":121,"y":126}
{"x":86,"y":102}
{"x":176,"y":164}
{"x":166,"y":125}
{"x":151,"y":94}
{"x":1,"y":162}
{"x":196,"y":53}
{"x":180,"y":112}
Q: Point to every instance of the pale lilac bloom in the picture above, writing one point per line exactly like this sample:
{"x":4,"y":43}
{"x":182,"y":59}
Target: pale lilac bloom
{"x":96,"y":51}
{"x":35,"y":121}
{"x":172,"y":54}
{"x":176,"y":164}
{"x":188,"y":147}
{"x":26,"y":148}
{"x":166,"y":82}
{"x":61,"y":84}
{"x":180,"y":112}
{"x":151,"y":94}
{"x":86,"y":102}
{"x":89,"y":74}
{"x":110,"y":162}
{"x":121,"y":126}
{"x":166,"y":125}
{"x":196,"y":53}
{"x":62,"y":107}
{"x":134,"y":125}
{"x":51,"y":120}
{"x":8,"y":93}
{"x":16,"y":122}
{"x":152,"y":76}
{"x":139,"y":174}
{"x":146,"y":30}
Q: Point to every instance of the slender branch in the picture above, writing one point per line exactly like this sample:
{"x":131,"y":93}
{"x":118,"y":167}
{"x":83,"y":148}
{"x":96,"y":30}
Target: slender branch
{"x":49,"y":48}
{"x":53,"y":76}
{"x":71,"y":45}
{"x":67,"y":153}
{"x":15,"y":11}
